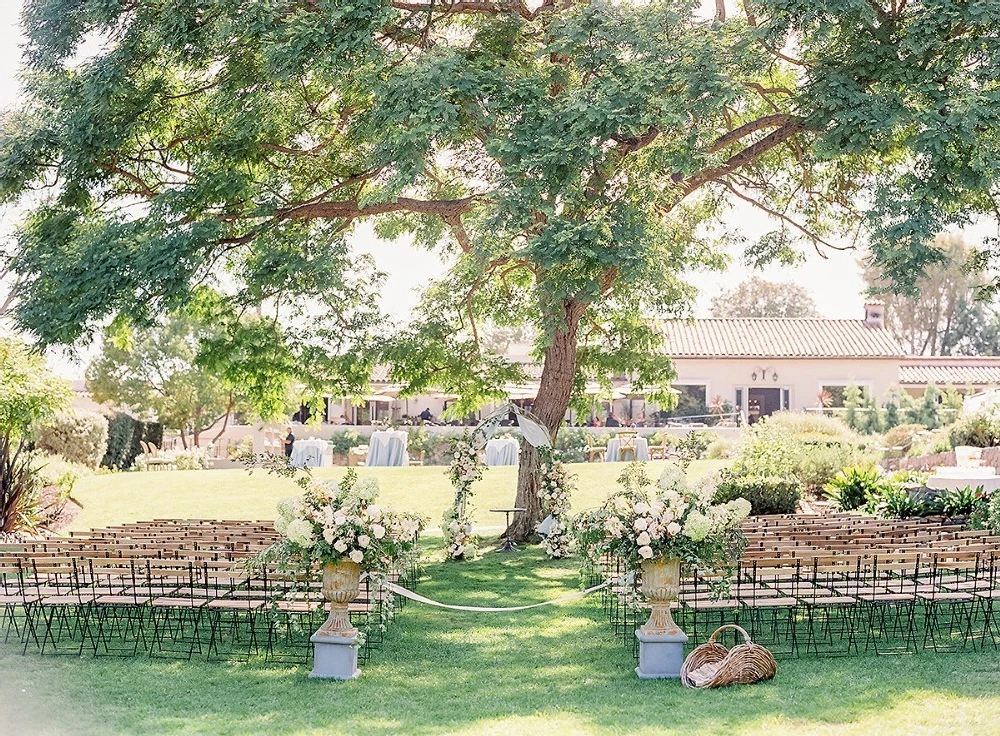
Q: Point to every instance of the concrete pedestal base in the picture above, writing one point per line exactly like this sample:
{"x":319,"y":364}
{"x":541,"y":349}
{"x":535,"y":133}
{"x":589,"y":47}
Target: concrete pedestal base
{"x":660,"y":656}
{"x":335,"y":657}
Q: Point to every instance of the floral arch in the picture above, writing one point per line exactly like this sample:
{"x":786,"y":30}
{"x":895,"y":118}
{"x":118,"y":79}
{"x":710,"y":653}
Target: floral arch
{"x":554,"y":492}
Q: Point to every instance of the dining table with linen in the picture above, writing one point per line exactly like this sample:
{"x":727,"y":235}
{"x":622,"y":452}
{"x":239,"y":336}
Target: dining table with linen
{"x":502,"y":451}
{"x":640,"y":444}
{"x":387,"y":448}
{"x":308,"y":453}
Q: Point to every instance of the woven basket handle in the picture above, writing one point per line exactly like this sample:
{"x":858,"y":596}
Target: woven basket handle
{"x":746,"y":636}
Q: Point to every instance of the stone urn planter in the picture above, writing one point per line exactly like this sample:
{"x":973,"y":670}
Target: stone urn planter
{"x":968,"y":457}
{"x":661,"y":583}
{"x":340,"y":587}
{"x":335,"y":656}
{"x":661,"y":641}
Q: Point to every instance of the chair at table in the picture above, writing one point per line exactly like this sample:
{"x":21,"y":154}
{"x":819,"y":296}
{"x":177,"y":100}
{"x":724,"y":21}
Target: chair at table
{"x":152,"y":456}
{"x":626,"y":445}
{"x":662,"y":451}
{"x":594,"y":450}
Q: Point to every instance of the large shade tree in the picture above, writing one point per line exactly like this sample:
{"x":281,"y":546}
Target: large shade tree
{"x":568,"y":158}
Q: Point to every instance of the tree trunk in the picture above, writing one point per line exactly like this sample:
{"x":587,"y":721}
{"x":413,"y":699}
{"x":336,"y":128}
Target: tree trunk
{"x":550,"y":407}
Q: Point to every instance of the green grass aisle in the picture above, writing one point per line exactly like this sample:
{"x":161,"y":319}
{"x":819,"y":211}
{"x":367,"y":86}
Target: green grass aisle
{"x":553,"y":670}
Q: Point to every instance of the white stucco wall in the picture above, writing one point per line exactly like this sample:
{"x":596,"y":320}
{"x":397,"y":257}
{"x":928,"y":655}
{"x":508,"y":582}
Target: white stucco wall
{"x":803,"y":377}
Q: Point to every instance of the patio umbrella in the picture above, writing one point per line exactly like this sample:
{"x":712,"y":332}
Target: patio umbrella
{"x":521,"y":390}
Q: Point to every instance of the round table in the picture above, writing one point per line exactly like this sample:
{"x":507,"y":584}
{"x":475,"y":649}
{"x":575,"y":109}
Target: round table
{"x":509,"y":545}
{"x":308,"y":453}
{"x":387,"y":448}
{"x":502,"y":451}
{"x":614,"y":449}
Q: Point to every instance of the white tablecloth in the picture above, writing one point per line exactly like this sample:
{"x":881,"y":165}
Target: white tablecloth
{"x":641,"y":450}
{"x":502,"y":451}
{"x":308,"y":453}
{"x":388,"y":448}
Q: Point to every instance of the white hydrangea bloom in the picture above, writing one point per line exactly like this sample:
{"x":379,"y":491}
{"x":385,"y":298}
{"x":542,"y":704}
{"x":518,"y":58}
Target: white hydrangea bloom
{"x":697,"y":526}
{"x":300,"y":532}
{"x":357,"y":556}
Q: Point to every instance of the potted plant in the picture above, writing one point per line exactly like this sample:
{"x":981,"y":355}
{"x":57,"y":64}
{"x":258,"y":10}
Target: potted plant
{"x":656,"y":532}
{"x":340,"y":529}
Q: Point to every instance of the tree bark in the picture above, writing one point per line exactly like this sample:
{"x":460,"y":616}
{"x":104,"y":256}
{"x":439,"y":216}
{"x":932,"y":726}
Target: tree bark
{"x":550,"y":407}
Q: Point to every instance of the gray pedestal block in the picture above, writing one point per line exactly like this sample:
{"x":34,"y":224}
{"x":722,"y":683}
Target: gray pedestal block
{"x":335,"y":657}
{"x":660,"y":656}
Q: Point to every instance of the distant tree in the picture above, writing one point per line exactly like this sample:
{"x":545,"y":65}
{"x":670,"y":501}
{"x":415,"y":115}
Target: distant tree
{"x":926,"y":410}
{"x":943,"y":316}
{"x":157,"y":373}
{"x":757,"y":297}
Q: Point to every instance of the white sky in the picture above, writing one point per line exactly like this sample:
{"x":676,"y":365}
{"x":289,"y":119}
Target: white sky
{"x":835,"y":282}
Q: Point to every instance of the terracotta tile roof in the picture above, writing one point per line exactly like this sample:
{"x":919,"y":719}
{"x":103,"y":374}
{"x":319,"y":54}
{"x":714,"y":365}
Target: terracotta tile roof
{"x":957,"y":371}
{"x":777,"y":338}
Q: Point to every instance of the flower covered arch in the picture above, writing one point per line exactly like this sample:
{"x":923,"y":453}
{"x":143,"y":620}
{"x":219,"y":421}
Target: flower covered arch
{"x":466,"y":468}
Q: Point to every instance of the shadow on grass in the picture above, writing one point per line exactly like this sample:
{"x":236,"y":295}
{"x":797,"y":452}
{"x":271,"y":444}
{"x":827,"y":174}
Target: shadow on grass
{"x":547,"y":671}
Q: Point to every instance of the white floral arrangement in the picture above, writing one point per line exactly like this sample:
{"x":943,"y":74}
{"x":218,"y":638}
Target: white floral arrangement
{"x":554,"y":492}
{"x":456,"y":524}
{"x":679,"y":520}
{"x":330,"y":522}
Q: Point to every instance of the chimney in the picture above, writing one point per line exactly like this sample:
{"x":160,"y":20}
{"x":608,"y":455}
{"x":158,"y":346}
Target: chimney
{"x":875,"y":314}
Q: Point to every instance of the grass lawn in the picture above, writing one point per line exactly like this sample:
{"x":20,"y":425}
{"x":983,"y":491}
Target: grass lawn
{"x":541,"y":672}
{"x":233,"y":494}
{"x":546,"y":671}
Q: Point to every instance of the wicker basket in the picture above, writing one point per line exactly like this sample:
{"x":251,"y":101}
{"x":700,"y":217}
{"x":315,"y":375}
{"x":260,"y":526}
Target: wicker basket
{"x":712,"y":665}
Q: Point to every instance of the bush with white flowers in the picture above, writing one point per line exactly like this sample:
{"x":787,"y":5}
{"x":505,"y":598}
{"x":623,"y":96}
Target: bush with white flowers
{"x":554,"y":491}
{"x":677,"y":520}
{"x":456,"y":524}
{"x":330,"y":522}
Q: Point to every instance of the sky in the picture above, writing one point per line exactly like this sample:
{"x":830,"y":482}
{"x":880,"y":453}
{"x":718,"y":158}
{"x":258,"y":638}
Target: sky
{"x":834,"y":282}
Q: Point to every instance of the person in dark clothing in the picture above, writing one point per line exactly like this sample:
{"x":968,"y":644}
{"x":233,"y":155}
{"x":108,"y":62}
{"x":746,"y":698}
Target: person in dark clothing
{"x":289,"y":442}
{"x":426,"y":414}
{"x":612,"y":421}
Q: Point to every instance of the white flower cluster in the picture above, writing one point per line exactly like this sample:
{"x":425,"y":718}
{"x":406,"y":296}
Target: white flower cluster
{"x":331,"y":522}
{"x":681,"y":521}
{"x":466,"y":468}
{"x":554,"y":492}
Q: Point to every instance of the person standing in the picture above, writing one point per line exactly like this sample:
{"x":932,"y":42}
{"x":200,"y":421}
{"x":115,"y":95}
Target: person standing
{"x":289,"y":442}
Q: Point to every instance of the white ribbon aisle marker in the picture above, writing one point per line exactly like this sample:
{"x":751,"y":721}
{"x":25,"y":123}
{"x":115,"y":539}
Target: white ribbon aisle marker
{"x":421,"y":599}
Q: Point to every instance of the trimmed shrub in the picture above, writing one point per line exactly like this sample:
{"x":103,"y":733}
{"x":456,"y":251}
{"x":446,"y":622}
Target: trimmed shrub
{"x":571,"y":442}
{"x":812,"y":425}
{"x":78,"y":436}
{"x":342,"y":442}
{"x":152,"y":432}
{"x":768,"y":449}
{"x":767,"y":495}
{"x":123,"y":444}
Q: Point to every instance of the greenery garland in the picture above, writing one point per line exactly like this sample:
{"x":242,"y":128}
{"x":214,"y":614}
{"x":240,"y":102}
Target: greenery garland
{"x":456,"y":524}
{"x":557,"y":484}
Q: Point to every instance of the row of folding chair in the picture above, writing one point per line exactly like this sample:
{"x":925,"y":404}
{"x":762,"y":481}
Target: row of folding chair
{"x":836,"y":606}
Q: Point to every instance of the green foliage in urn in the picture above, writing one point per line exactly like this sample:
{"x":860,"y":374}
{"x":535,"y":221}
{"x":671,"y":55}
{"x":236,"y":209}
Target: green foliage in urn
{"x":329,"y":522}
{"x":674,"y":519}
